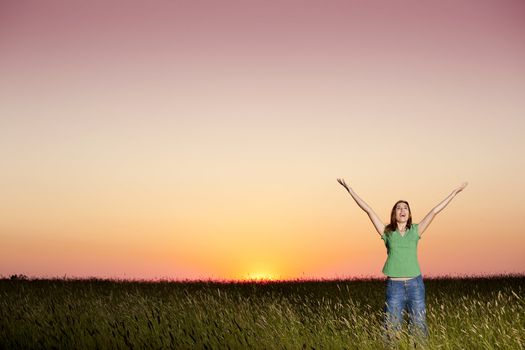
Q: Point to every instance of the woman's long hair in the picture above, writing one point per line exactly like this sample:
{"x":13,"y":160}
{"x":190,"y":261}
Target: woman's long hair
{"x":392,"y":226}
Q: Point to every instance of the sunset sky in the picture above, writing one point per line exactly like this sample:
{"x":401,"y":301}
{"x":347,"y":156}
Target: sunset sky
{"x":203,"y":139}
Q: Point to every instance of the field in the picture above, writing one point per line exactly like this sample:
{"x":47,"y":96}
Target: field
{"x":466,"y":313}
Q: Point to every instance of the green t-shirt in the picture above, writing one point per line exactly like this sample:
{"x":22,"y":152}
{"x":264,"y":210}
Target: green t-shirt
{"x":402,"y":253}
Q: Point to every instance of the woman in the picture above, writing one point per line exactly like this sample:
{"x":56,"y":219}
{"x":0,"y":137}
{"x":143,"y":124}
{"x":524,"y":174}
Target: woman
{"x":404,"y":284}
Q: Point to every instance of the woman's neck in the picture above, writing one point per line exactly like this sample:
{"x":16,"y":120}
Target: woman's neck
{"x":401,"y":226}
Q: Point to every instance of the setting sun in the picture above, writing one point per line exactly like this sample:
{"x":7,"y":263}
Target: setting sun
{"x":259,"y":276}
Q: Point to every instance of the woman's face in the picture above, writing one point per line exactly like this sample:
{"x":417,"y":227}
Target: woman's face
{"x":402,"y":212}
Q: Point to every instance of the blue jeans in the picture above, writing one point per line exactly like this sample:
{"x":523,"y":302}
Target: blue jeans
{"x":407,"y":296}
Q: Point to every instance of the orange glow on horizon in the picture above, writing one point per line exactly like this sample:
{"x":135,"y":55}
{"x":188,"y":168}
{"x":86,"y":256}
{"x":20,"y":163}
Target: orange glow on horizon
{"x":259,"y":276}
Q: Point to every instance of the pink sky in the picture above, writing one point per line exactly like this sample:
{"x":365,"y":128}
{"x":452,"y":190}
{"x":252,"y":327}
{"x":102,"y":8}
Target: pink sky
{"x":194,"y":139}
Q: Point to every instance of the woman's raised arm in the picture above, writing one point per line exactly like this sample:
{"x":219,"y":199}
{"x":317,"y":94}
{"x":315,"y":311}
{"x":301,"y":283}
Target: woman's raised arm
{"x":378,"y":224}
{"x":423,"y":225}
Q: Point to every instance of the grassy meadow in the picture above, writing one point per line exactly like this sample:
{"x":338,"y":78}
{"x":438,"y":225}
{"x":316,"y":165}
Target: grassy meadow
{"x":466,"y":313}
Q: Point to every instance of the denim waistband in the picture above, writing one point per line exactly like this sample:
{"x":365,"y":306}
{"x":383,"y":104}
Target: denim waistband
{"x":405,"y":281}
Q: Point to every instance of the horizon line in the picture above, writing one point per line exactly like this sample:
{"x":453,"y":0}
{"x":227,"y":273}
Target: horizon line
{"x":23,"y":277}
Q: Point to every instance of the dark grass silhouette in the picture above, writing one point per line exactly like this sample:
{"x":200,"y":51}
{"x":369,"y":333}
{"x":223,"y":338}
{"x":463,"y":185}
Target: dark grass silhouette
{"x":469,"y":312}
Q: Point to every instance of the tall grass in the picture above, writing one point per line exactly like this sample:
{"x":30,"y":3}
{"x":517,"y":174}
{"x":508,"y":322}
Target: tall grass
{"x":467,"y":313}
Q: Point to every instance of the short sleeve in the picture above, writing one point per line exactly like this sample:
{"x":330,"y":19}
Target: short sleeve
{"x":416,"y":228}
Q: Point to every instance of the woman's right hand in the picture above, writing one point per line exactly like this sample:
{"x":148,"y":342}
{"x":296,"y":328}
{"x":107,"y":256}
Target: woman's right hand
{"x":378,"y":224}
{"x":343,"y":183}
{"x":461,"y":187}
